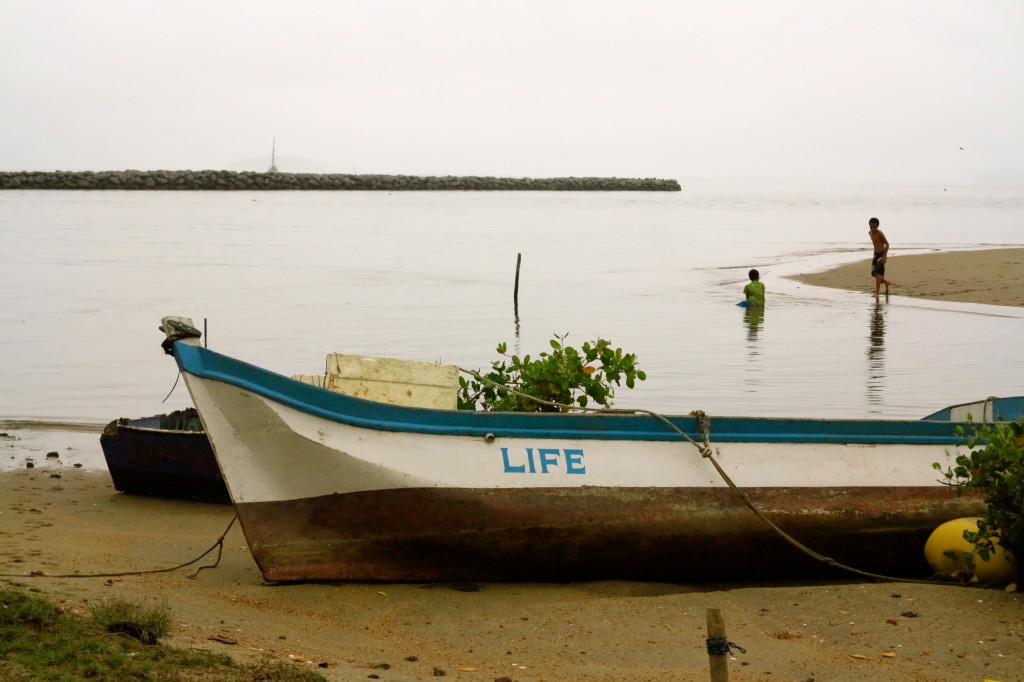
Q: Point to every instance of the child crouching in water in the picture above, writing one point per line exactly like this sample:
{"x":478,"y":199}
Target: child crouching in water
{"x":755,"y":290}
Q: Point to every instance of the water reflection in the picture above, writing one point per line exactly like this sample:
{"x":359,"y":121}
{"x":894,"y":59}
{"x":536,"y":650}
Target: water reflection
{"x":876,"y":354}
{"x":753,"y":318}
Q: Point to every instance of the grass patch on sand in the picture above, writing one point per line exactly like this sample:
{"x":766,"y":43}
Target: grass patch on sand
{"x":118,"y":643}
{"x":134,"y":619}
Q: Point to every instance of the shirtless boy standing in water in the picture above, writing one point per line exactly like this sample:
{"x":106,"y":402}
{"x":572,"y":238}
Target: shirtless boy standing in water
{"x":881,"y":245}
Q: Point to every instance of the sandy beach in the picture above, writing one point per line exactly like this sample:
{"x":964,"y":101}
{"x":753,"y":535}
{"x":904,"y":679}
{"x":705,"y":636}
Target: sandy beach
{"x":848,"y":630}
{"x":62,"y":521}
{"x":991,"y":276}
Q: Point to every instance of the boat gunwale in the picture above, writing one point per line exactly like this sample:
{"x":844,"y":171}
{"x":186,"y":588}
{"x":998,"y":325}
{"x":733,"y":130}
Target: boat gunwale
{"x":173,"y":432}
{"x":127,"y":424}
{"x":344,"y":409}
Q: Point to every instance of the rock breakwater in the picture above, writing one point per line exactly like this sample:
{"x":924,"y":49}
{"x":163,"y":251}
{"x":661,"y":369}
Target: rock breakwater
{"x":236,"y":181}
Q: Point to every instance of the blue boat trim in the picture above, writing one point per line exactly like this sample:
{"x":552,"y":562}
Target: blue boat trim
{"x":1000,"y":409}
{"x":208,"y":364}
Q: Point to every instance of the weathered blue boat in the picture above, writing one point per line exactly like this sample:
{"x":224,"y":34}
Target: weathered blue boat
{"x":167,"y":455}
{"x":332,"y":487}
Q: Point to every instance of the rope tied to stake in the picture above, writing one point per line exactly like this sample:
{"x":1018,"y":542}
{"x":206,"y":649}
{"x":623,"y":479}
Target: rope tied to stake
{"x":721,"y":646}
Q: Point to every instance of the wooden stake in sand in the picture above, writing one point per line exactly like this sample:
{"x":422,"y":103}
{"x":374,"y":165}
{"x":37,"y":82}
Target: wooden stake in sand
{"x":719,"y":646}
{"x":717,"y":659}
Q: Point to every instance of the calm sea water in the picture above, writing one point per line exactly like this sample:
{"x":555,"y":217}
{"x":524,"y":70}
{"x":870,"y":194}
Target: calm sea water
{"x":283,"y":278}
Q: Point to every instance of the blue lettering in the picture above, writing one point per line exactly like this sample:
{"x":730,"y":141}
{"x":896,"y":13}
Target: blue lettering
{"x":545,"y":460}
{"x":574,"y":462}
{"x":509,"y":469}
{"x":549,"y":459}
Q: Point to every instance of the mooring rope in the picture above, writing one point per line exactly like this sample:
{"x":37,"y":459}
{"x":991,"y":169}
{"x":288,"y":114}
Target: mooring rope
{"x":218,"y":545}
{"x":172,"y":388}
{"x":706,"y":451}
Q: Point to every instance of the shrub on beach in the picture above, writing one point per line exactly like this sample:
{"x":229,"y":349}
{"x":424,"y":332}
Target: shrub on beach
{"x":996,"y":469}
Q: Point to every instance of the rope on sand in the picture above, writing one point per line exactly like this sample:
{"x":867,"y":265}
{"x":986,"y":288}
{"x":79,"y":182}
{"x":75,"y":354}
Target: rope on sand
{"x":218,"y":545}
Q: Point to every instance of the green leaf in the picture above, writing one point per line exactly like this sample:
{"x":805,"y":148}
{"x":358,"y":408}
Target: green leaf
{"x":557,"y":376}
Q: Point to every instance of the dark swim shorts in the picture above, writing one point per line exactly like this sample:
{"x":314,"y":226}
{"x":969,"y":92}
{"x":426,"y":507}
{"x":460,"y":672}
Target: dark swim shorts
{"x":878,"y":266}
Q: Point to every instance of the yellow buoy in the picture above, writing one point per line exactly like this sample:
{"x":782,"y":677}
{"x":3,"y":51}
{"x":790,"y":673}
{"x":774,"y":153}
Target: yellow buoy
{"x":947,"y":553}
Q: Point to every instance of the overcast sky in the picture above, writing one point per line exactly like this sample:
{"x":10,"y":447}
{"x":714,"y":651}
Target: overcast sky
{"x":893,"y":91}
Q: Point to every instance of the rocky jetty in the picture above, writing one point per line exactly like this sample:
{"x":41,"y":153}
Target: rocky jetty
{"x":237,"y":181}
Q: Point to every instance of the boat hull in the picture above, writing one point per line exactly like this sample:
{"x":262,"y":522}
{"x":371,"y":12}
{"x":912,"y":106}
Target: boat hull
{"x":562,"y":534}
{"x":144,"y":459}
{"x":330,"y":487}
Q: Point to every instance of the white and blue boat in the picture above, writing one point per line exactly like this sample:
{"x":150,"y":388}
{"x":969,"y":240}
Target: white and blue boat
{"x":333,"y":487}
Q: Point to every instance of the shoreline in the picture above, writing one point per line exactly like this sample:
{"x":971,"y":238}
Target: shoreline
{"x":610,"y":630}
{"x":986,"y":276}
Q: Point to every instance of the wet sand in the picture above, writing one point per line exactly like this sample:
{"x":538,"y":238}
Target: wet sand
{"x":992,"y":276}
{"x":846,"y":630}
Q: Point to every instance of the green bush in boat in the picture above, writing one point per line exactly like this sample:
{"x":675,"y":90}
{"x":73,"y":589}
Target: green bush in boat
{"x":554,"y":381}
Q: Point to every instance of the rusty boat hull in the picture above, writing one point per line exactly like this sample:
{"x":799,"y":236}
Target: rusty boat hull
{"x":332,"y":487}
{"x":580,"y":534}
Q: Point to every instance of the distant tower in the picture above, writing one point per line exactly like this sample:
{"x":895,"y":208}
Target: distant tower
{"x":273,"y":153}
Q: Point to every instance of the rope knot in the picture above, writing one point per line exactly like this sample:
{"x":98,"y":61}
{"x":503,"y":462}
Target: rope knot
{"x":722,"y":646}
{"x":704,"y":424}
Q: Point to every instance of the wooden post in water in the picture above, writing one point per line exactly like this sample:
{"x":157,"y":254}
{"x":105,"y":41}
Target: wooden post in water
{"x":515,"y":298}
{"x":719,"y":662}
{"x":515,"y":293}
